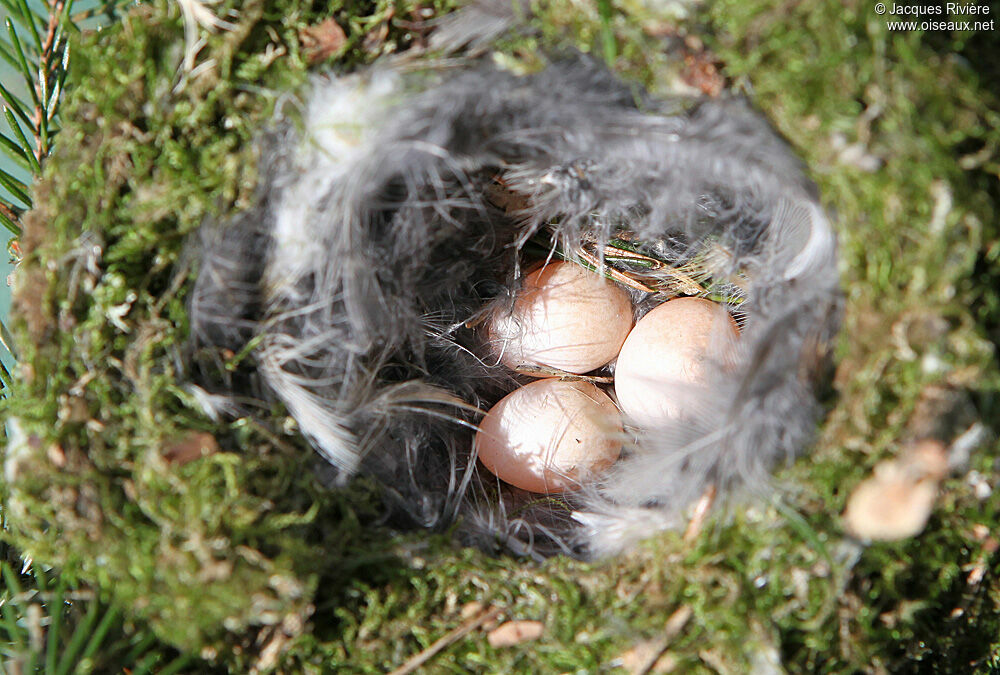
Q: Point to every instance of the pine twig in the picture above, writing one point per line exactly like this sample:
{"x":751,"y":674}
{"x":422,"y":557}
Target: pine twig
{"x":49,"y":50}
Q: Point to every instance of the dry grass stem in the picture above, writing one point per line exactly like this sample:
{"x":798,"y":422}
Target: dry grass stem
{"x":449,"y":638}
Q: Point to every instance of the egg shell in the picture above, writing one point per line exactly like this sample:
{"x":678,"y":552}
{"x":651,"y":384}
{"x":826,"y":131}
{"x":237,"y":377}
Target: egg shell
{"x":893,"y":504}
{"x":564,"y":317}
{"x":549,"y":435}
{"x":665,"y":354}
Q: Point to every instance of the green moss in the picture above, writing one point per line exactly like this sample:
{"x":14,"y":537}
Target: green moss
{"x":213,"y":549}
{"x":244,"y":557}
{"x":916,"y":228}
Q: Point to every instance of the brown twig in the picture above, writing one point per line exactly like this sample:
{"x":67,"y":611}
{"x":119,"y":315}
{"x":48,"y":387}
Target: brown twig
{"x":682,"y":284}
{"x":449,"y":638}
{"x":675,"y":624}
{"x":614,"y":274}
{"x":700,"y":514}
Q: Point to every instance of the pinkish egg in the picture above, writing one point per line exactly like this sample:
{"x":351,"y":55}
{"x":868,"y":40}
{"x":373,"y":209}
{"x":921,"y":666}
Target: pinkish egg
{"x":665,"y":354}
{"x":550,"y":435}
{"x":564,"y":317}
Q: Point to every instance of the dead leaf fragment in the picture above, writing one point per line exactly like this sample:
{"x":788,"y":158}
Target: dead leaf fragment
{"x":56,"y":455}
{"x":896,"y":502}
{"x":322,"y":40}
{"x":193,"y":445}
{"x":888,"y":510}
{"x":891,"y":505}
{"x":701,"y":72}
{"x":512,"y":633}
{"x":638,"y":659}
{"x":471,"y":609}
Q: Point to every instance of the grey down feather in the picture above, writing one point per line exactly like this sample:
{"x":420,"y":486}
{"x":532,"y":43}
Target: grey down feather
{"x":358,"y":277}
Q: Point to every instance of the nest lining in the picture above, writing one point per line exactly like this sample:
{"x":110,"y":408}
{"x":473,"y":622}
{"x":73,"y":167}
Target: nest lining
{"x":406,"y":210}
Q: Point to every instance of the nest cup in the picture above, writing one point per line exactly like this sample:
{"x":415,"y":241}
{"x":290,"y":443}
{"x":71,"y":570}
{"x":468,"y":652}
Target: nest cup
{"x":406,"y":208}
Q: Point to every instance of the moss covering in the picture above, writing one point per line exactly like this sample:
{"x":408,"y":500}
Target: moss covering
{"x":223,"y":536}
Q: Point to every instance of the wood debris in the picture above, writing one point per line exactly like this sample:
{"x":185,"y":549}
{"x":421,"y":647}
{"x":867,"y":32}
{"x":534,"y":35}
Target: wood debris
{"x":512,"y":633}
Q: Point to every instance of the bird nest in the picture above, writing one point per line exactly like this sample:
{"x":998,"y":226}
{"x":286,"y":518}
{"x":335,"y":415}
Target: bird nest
{"x":403,"y":214}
